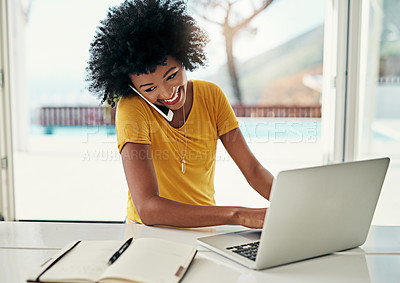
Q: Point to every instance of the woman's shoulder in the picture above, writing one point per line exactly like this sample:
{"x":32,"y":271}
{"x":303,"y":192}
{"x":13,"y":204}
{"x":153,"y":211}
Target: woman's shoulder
{"x":131,"y":107}
{"x":207,"y":90}
{"x":129,"y":103}
{"x":205,"y":85}
{"x":128,"y":100}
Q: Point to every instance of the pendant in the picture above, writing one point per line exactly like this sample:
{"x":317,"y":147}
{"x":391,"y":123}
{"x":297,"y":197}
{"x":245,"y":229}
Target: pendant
{"x":183,"y":166}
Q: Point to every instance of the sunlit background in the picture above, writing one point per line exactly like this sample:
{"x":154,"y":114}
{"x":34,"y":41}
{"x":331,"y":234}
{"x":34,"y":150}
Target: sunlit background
{"x":74,"y":172}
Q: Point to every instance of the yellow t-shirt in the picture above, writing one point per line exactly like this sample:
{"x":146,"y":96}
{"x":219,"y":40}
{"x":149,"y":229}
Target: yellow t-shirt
{"x":210,"y":117}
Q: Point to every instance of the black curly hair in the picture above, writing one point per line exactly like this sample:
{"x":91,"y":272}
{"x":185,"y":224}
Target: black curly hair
{"x":135,"y":38}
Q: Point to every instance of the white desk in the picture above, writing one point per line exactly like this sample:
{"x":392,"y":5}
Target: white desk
{"x":24,"y":246}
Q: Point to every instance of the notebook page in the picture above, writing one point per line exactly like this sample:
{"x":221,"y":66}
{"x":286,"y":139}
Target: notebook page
{"x":150,"y":260}
{"x":86,"y":262}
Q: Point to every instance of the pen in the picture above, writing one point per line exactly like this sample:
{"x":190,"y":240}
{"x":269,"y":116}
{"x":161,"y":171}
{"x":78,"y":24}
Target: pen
{"x":117,"y":254}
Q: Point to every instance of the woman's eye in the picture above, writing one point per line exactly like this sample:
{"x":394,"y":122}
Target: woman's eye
{"x":150,"y":89}
{"x":172,"y":76}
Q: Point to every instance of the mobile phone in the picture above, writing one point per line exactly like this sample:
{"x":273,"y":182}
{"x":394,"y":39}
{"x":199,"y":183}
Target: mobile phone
{"x":164,"y":111}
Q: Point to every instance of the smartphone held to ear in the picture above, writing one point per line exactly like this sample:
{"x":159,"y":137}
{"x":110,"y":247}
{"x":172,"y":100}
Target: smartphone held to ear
{"x":164,"y":111}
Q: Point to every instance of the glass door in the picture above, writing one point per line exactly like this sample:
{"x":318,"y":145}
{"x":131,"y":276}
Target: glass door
{"x":67,"y":165}
{"x":379,"y":115}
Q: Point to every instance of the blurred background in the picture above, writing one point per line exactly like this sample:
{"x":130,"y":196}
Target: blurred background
{"x":269,"y":57}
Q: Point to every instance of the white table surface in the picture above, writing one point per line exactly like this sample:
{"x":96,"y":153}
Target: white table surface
{"x":24,"y":246}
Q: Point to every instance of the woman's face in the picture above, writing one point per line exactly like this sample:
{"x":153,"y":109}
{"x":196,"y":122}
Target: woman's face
{"x":167,"y":86}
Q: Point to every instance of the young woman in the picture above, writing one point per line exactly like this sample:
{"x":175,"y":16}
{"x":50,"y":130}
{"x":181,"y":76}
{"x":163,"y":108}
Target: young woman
{"x":147,"y":46}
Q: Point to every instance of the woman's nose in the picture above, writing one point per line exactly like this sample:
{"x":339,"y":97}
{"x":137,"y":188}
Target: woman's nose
{"x":165,"y":92}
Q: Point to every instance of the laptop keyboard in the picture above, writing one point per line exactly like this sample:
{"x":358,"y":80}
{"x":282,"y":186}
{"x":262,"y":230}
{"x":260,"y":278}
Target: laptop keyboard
{"x":248,"y":250}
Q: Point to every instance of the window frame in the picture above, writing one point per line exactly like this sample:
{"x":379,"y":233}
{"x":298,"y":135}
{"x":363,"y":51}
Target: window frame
{"x":341,"y":75}
{"x":7,"y":201}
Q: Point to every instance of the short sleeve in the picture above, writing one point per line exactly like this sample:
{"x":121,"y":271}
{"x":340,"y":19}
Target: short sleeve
{"x":226,"y":119}
{"x":131,"y":122}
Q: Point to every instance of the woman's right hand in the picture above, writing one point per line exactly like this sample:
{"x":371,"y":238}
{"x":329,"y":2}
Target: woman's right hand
{"x":251,"y":217}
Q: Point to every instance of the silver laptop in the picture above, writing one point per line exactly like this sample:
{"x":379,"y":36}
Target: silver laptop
{"x":314,"y":211}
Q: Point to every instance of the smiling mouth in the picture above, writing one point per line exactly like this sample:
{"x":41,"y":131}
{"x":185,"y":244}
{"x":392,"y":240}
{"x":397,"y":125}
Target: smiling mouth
{"x":174,"y":99}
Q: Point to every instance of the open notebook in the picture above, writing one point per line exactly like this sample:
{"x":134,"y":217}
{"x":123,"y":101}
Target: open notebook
{"x":145,"y":260}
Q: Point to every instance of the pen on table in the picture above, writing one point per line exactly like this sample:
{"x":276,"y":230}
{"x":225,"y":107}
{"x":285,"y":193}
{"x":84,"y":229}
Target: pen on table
{"x":117,"y":254}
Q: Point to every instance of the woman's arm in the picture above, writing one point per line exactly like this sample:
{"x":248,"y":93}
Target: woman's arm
{"x":256,"y":175}
{"x":155,"y":210}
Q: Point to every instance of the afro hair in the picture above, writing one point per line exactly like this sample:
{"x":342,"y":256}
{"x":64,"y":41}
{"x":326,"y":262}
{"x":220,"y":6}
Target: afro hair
{"x":135,"y":38}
